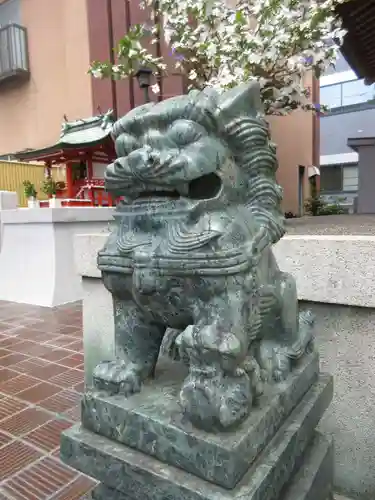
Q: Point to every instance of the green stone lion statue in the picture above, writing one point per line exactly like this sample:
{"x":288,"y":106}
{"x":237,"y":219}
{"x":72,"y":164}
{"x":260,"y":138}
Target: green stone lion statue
{"x":189,"y":262}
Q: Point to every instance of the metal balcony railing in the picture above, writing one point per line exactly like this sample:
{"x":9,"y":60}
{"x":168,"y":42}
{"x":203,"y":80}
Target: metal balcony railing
{"x":14,"y":55}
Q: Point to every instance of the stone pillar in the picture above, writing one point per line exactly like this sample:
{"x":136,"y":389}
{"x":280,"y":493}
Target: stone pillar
{"x":98,"y":326}
{"x":365,"y":147}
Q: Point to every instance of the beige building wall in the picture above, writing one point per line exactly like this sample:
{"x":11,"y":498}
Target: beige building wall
{"x":293,"y":135}
{"x":297,"y":140}
{"x":31,"y":113}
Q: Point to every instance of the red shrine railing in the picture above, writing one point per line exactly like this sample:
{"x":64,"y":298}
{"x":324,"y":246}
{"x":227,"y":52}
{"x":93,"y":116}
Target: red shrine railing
{"x":93,"y":190}
{"x":87,"y":193}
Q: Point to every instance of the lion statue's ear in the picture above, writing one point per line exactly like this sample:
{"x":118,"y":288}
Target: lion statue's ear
{"x":243,"y":100}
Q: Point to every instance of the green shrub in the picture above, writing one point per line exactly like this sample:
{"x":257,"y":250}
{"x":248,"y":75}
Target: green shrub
{"x":49,"y":187}
{"x":29,"y":189}
{"x":332,"y":209}
{"x":314,"y":205}
{"x":317,"y":206}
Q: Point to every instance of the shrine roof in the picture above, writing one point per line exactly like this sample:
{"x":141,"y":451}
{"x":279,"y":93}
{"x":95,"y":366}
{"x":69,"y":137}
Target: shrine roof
{"x":359,"y":43}
{"x":79,"y":135}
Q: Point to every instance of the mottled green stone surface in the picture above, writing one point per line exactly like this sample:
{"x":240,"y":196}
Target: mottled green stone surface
{"x":313,"y":480}
{"x":126,"y":470}
{"x":152,"y":422}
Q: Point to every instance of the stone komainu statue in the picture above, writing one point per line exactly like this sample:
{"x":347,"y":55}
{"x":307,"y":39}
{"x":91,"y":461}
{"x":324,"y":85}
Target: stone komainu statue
{"x":190,"y":254}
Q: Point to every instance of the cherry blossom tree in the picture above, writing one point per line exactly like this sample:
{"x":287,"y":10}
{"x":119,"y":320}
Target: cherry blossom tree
{"x":276,"y":42}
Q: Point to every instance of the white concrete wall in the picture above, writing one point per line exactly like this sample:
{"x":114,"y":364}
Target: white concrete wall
{"x":336,"y":280}
{"x":345,"y":339}
{"x":98,"y":326}
{"x":8,"y":200}
{"x":37,"y":255}
{"x":330,"y":269}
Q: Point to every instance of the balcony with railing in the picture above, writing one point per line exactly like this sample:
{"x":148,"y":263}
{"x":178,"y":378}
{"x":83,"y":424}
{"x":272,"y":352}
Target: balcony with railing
{"x":14,"y":55}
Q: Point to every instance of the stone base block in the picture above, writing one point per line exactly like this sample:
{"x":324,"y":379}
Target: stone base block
{"x":152,"y":422}
{"x":136,"y":476}
{"x":313,"y":480}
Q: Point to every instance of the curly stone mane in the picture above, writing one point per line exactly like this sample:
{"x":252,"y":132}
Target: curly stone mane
{"x":256,"y":155}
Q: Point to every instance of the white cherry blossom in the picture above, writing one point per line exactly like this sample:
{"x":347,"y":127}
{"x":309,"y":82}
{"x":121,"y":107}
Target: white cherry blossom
{"x":221,"y":44}
{"x":155,"y":88}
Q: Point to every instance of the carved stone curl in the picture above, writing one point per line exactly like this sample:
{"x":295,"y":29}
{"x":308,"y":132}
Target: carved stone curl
{"x":190,"y":255}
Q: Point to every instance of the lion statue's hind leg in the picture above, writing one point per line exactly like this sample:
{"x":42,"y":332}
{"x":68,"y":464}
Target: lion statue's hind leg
{"x":294,"y":337}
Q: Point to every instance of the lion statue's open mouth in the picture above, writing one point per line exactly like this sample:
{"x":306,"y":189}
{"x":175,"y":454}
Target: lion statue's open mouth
{"x":203,"y":188}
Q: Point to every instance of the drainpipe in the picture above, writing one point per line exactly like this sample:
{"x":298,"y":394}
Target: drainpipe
{"x":131,"y":81}
{"x":112,"y":56}
{"x":316,"y":130}
{"x":159,"y":76}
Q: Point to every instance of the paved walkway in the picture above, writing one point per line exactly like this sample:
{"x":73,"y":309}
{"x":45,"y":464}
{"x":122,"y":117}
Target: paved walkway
{"x":41,"y":381}
{"x":333,"y":224}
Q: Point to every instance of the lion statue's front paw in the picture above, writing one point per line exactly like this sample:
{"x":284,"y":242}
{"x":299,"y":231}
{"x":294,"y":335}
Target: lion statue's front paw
{"x":216,"y":403}
{"x":118,"y":377}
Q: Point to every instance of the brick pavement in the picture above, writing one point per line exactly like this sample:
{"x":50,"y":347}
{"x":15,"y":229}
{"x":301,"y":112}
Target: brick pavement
{"x":41,"y":381}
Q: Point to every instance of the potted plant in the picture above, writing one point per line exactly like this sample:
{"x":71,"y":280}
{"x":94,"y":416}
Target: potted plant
{"x":30,"y":194}
{"x":49,"y":188}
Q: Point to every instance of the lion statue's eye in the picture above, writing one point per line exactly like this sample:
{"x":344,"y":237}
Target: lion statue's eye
{"x":184,"y":132}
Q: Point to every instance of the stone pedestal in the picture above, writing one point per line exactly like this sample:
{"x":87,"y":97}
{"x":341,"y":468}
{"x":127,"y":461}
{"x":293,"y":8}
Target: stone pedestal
{"x":141,"y":448}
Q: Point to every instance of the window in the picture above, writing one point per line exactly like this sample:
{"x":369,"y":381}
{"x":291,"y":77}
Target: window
{"x":350,"y":178}
{"x":79,"y":170}
{"x":13,"y":42}
{"x":356,"y":92}
{"x":331,"y":178}
{"x":339,"y":178}
{"x":331,"y":96}
{"x":346,"y":94}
